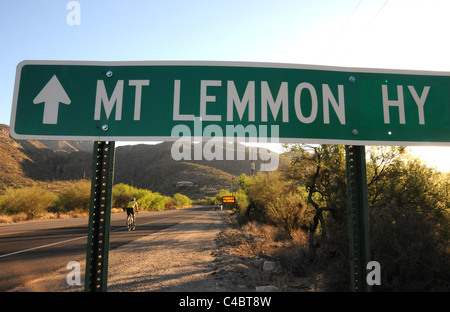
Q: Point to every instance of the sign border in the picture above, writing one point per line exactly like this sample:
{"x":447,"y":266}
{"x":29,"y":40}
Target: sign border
{"x":350,"y":70}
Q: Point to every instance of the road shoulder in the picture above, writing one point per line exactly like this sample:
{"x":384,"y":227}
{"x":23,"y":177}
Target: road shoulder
{"x":179,"y":258}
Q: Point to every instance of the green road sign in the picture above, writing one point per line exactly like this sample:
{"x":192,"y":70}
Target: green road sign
{"x":122,"y":101}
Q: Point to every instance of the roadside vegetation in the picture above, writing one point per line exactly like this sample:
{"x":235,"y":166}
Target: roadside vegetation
{"x":305,"y":201}
{"x":148,"y":200}
{"x":72,"y":199}
{"x":299,"y":214}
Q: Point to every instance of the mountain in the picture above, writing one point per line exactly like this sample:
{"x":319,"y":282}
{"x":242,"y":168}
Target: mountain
{"x":25,"y":161}
{"x":144,"y":166}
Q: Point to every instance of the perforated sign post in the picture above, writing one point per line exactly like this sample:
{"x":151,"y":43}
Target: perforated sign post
{"x":162,"y":101}
{"x":100,"y":217}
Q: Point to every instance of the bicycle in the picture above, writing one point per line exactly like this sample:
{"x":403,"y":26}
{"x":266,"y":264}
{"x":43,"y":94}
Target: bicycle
{"x":131,"y":222}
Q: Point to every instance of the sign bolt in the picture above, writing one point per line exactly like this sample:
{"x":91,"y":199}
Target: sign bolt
{"x":355,"y":131}
{"x":352,"y":78}
{"x":105,"y":127}
{"x":109,"y":74}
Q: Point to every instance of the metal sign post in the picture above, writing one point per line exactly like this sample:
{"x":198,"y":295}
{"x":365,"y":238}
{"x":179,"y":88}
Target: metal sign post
{"x":358,"y":216}
{"x":100,"y":217}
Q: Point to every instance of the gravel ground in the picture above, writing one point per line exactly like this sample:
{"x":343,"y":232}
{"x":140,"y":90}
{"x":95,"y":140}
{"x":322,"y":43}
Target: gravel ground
{"x":182,"y":258}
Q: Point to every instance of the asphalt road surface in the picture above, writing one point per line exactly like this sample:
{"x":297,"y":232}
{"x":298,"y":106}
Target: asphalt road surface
{"x":32,"y":249}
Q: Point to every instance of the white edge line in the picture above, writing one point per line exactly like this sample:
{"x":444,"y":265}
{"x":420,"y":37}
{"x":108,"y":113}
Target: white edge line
{"x":66,"y":241}
{"x":40,"y":247}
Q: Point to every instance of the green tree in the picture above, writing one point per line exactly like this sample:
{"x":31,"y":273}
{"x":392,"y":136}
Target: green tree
{"x":408,"y":221}
{"x":408,"y":207}
{"x":321,"y":170}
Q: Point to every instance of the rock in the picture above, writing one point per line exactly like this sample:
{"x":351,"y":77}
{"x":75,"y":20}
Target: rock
{"x":258,"y":264}
{"x":268,"y":288}
{"x":300,"y":282}
{"x":271,"y":267}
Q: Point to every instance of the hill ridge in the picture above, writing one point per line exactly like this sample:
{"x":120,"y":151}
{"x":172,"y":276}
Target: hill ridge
{"x":24,"y":162}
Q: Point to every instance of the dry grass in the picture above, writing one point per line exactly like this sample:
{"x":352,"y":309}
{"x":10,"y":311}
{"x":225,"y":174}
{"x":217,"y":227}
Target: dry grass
{"x":269,"y":240}
{"x":22,"y":216}
{"x":255,"y":243}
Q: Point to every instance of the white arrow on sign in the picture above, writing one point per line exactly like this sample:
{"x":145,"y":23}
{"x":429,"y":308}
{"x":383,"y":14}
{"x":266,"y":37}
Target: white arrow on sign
{"x":52,"y":94}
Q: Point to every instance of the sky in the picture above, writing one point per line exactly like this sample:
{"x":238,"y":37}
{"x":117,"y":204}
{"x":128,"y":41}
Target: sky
{"x":393,"y":34}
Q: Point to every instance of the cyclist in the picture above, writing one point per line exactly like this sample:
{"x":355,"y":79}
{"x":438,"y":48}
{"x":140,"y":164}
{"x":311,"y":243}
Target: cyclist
{"x":131,"y":207}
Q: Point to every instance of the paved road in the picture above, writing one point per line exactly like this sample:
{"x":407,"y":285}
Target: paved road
{"x":32,"y":249}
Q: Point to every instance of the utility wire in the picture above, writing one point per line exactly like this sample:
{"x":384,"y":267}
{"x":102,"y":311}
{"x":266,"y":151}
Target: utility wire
{"x":348,"y":20}
{"x":378,"y":13}
{"x":342,"y":29}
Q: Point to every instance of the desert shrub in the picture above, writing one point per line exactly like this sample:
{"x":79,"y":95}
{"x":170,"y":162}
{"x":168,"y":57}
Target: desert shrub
{"x":220,"y":194}
{"x":212,"y":200}
{"x":285,"y":211}
{"x":34,"y":201}
{"x":240,"y":197}
{"x":272,"y":199}
{"x":202,"y":201}
{"x":180,"y":200}
{"x":75,"y":196}
{"x":122,"y":193}
{"x":159,"y":201}
{"x":147,"y":200}
{"x":152,"y":200}
{"x":169,"y":204}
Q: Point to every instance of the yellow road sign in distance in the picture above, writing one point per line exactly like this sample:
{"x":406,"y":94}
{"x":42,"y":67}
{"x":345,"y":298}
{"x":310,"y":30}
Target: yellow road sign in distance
{"x":228,"y":199}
